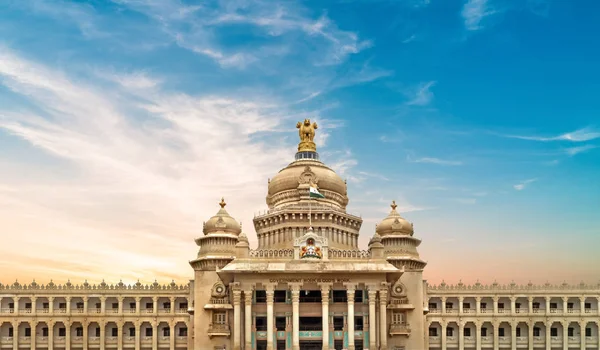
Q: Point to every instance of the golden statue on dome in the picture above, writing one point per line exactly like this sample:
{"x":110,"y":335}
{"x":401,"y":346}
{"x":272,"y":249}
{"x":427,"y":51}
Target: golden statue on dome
{"x":307,"y":136}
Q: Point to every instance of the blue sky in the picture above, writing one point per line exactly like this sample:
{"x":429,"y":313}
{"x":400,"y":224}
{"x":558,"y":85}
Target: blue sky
{"x":123,"y":122}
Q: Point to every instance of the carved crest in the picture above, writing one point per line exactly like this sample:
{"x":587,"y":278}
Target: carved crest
{"x":219,"y":290}
{"x":398,"y":289}
{"x":220,"y":223}
{"x":308,"y":177}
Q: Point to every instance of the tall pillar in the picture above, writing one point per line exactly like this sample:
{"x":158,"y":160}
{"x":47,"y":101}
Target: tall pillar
{"x":547,"y":306}
{"x":548,"y":338}
{"x":68,"y":331}
{"x":477,"y":305}
{"x":50,"y":306}
{"x":270,"y":293}
{"x":461,"y":335}
{"x":443,"y":305}
{"x":496,"y":331}
{"x":530,"y":307}
{"x":383,"y":317}
{"x":102,"y":305}
{"x":51,"y":335}
{"x":460,"y":304}
{"x":530,"y":329}
{"x":68,"y":300}
{"x":137,"y":306}
{"x":565,"y":326}
{"x":513,"y":333}
{"x":172,"y":331}
{"x":33,"y":306}
{"x":444,"y":325}
{"x":248,"y":316}
{"x":138,"y":330}
{"x":155,"y":335}
{"x":325,"y":314}
{"x":237,"y":329}
{"x":295,"y":316}
{"x":85,"y":328}
{"x":478,"y":331}
{"x":495,"y":302}
{"x":102,"y":334}
{"x":155,"y":306}
{"x":582,"y":325}
{"x":372,"y":319}
{"x":513,"y":301}
{"x":121,"y":299}
{"x":582,"y":306}
{"x":120,"y":335}
{"x":350,"y":290}
{"x":173,"y":299}
{"x":16,"y":332}
{"x":33,"y":327}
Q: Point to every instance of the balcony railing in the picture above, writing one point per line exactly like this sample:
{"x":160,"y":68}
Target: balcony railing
{"x":400,"y":328}
{"x":8,"y":311}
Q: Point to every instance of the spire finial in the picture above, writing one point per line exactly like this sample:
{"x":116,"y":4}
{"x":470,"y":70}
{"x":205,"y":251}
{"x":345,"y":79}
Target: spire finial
{"x":222,"y":203}
{"x":394,"y":206}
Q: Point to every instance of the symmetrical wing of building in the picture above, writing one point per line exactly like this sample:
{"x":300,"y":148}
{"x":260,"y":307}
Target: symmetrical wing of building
{"x":307,"y":286}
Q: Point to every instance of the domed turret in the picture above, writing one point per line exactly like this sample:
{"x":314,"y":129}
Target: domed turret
{"x":222,"y":222}
{"x":394,"y":224}
{"x":218,"y":245}
{"x":400,"y":247}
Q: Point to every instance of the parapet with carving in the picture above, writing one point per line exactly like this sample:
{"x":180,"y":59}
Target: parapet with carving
{"x":512,"y":287}
{"x":103,"y":286}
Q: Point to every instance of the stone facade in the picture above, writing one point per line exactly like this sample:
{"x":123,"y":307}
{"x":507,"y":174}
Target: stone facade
{"x":307,"y":286}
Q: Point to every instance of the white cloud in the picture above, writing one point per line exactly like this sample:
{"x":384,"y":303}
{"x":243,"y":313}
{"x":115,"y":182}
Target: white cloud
{"x":474,"y":11}
{"x":122,"y":153}
{"x":523,"y":184}
{"x":580,"y":135}
{"x":422,"y":95}
{"x":571,"y":151}
{"x":431,"y":160}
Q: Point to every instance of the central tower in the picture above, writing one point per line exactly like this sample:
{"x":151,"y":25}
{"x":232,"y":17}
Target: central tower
{"x":290,"y":203}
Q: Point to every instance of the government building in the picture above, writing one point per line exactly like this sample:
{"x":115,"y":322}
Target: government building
{"x":307,"y":286}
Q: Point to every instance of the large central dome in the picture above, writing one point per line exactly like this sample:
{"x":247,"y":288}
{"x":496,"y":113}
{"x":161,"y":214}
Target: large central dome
{"x":291,"y":184}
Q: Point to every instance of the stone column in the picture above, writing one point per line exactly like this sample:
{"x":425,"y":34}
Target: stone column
{"x":50,"y":306}
{"x":383,"y":317}
{"x":137,"y":306}
{"x":372,"y":319}
{"x":155,"y":306}
{"x":513,"y":335}
{"x":295,"y":316}
{"x":530,"y":309}
{"x":102,"y":305}
{"x":461,"y":335}
{"x":547,"y":306}
{"x":85,"y":305}
{"x":477,"y":305}
{"x":270,"y":294}
{"x":16,"y":332}
{"x":248,"y":316}
{"x":51,"y":335}
{"x":565,"y":326}
{"x":68,"y":331}
{"x":102,"y":334}
{"x":120,"y":325}
{"x":443,"y":324}
{"x":478,"y":331}
{"x":237,"y":329}
{"x":33,"y":328}
{"x":350,"y":289}
{"x":496,"y":331}
{"x":138,"y":329}
{"x":513,"y":307}
{"x":495,"y":302}
{"x":173,"y":299}
{"x":172,"y":332}
{"x":548,"y":338}
{"x":33,"y":306}
{"x":582,"y":325}
{"x":68,"y":300}
{"x":443,"y":305}
{"x":120,"y":305}
{"x":530,"y":329}
{"x":155,"y":335}
{"x":85,"y":327}
{"x":325,"y":314}
{"x":460,"y":305}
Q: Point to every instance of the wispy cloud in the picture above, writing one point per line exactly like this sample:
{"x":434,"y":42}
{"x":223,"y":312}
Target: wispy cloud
{"x":474,"y":11}
{"x":571,"y":151}
{"x":409,"y":39}
{"x":466,"y":200}
{"x":523,"y":184}
{"x":421,"y":95}
{"x":580,"y":135}
{"x":129,"y":152}
{"x":431,"y":160}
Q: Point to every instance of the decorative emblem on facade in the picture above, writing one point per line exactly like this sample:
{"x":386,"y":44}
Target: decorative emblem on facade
{"x":398,"y":289}
{"x":219,"y":290}
{"x":308,"y":177}
{"x":310,"y":250}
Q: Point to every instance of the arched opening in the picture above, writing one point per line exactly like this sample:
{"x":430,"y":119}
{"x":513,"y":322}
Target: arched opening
{"x":522,"y":334}
{"x":435,"y":334}
{"x":591,"y":333}
{"x":41,"y":334}
{"x":24,"y":333}
{"x":452,"y":334}
{"x":129,"y":333}
{"x":93,"y":333}
{"x":435,"y":305}
{"x":59,"y":333}
{"x":164,"y":334}
{"x":181,"y":333}
{"x":76,"y":332}
{"x":111,"y":305}
{"x":539,"y":334}
{"x":574,"y":334}
{"x":504,"y":334}
{"x":111,"y":333}
{"x":487,"y":333}
{"x":146,"y":334}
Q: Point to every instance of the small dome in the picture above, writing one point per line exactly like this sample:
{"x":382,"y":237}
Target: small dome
{"x":222,"y":222}
{"x":394,"y":224}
